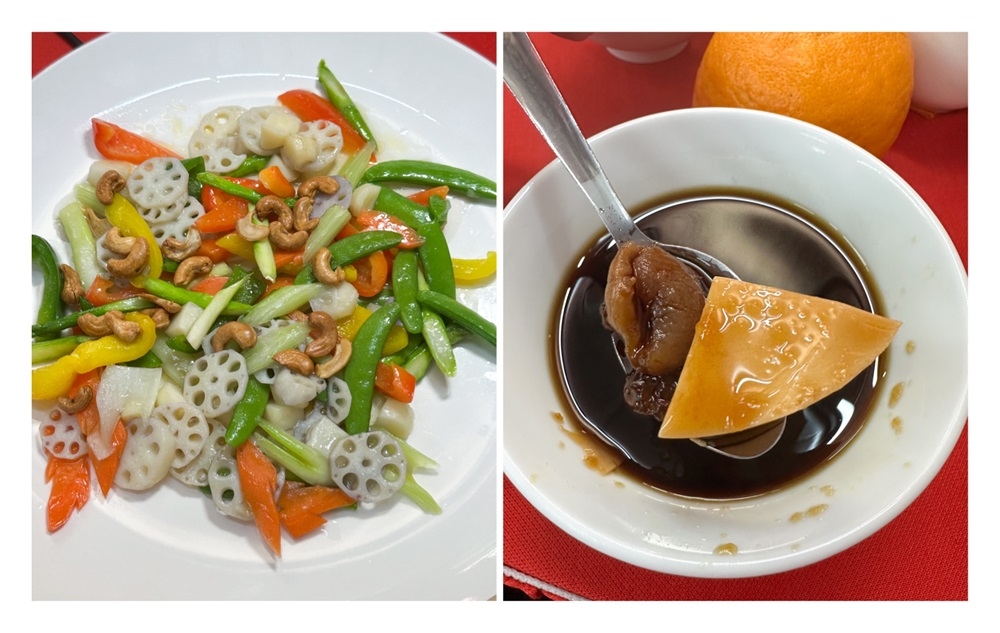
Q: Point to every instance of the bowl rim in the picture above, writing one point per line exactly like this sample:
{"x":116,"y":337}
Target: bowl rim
{"x":728,"y":568}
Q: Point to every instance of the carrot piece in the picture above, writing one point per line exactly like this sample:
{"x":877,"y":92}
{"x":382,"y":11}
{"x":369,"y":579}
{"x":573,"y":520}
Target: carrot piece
{"x":424,"y":197}
{"x":210,"y":249}
{"x":302,"y":507}
{"x":373,"y":272}
{"x":280,"y":282}
{"x":107,"y":468}
{"x":70,"y":489}
{"x":89,"y":417}
{"x":259,"y":481}
{"x":395,"y":382}
{"x":273,"y":179}
{"x":210,"y":285}
{"x":348,"y":230}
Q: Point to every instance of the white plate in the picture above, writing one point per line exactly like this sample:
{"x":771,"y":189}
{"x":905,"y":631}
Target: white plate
{"x":914,"y":264}
{"x":169,"y":543}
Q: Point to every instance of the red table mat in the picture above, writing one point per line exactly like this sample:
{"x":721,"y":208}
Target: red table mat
{"x":923,"y":553}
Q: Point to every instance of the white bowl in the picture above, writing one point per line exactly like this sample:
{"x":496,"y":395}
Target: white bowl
{"x":915,"y":267}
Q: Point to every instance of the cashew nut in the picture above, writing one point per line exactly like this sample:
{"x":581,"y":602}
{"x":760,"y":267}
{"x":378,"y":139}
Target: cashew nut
{"x":98,"y":225}
{"x":321,"y":268}
{"x":328,"y":337}
{"x":243,"y":334}
{"x":118,"y":243}
{"x":160,"y":317}
{"x":190,"y":268}
{"x":251,"y":232}
{"x":298,"y":316}
{"x":179,"y":251}
{"x":295,"y":360}
{"x":112,"y":322}
{"x":325,"y":184}
{"x":286,"y":240}
{"x":273,"y":205}
{"x":341,"y":355}
{"x":133,"y":263}
{"x":72,"y":289}
{"x":78,"y":402}
{"x":300,"y":215}
{"x":171,"y":307}
{"x":110,"y":183}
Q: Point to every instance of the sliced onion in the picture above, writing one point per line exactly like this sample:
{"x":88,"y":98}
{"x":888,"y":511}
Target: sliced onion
{"x":126,"y":393}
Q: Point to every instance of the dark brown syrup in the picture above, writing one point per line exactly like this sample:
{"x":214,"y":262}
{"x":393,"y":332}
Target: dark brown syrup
{"x":764,"y":240}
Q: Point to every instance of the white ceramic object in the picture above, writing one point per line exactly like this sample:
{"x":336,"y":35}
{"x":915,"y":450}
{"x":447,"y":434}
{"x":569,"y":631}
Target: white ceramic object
{"x":916,"y":268}
{"x":171,"y":543}
{"x":940,"y":71}
{"x":642,"y":48}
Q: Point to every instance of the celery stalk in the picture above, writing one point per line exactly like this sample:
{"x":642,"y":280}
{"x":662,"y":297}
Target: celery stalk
{"x":175,"y":364}
{"x":81,"y":242}
{"x":261,"y":355}
{"x":418,"y":495}
{"x":281,"y":302}
{"x":201,"y":326}
{"x":355,"y":167}
{"x":86,"y":195}
{"x":310,"y":465}
{"x":330,"y":223}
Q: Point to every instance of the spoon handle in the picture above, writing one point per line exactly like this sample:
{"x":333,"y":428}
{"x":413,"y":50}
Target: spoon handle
{"x":532,"y":86}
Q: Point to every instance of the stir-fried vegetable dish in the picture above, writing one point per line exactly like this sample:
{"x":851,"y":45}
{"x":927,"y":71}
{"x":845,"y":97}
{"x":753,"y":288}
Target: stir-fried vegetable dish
{"x":251,"y":319}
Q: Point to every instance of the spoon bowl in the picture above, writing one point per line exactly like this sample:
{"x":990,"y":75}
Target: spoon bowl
{"x":532,"y":86}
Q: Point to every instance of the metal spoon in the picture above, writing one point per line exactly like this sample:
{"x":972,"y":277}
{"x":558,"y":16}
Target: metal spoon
{"x":532,"y":86}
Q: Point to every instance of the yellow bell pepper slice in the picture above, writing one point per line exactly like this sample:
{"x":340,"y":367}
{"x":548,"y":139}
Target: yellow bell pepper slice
{"x":348,"y":328}
{"x":472,"y":271}
{"x":52,"y":381}
{"x":123,"y":215}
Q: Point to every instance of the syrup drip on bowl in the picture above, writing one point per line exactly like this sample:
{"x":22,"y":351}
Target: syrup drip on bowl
{"x":764,"y":241}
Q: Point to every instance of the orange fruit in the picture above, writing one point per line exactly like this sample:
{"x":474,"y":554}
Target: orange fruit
{"x":857,"y":85}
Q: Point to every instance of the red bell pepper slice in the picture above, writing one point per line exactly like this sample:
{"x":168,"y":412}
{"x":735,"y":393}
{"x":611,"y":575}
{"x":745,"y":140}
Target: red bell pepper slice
{"x":395,"y":382}
{"x":310,"y":106}
{"x":117,"y":143}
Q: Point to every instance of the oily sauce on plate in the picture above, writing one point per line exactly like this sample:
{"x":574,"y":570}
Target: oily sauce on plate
{"x":765,"y":240}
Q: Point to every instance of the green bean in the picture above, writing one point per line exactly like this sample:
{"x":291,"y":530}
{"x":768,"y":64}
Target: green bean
{"x":58,"y":325}
{"x":353,"y":248}
{"x":251,"y":290}
{"x":342,"y":101}
{"x":51,"y":303}
{"x":404,"y":289}
{"x":438,"y":207}
{"x":233,"y":188}
{"x":359,"y":374}
{"x":428,"y":174}
{"x":248,"y":411}
{"x":45,"y":351}
{"x":460,"y":314}
{"x":148,"y":360}
{"x":180,"y":343}
{"x":170,"y":292}
{"x":252,"y":164}
{"x":438,"y":344}
{"x":194,"y":166}
{"x":435,"y":256}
